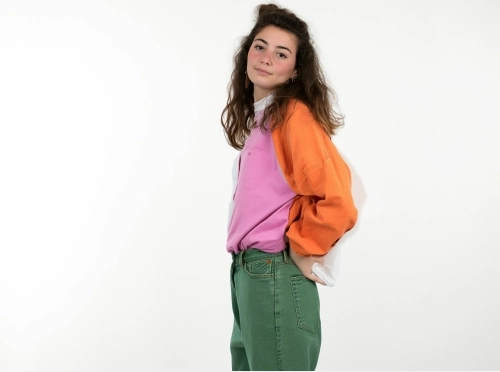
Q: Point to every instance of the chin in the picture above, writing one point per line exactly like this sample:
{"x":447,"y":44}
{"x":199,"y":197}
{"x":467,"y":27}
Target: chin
{"x":262,"y":86}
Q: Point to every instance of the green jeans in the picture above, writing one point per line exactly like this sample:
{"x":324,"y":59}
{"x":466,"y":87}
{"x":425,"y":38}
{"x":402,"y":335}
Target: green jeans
{"x":276,"y":314}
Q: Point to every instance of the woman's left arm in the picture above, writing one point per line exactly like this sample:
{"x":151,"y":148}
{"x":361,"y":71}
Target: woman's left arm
{"x":327,"y":209}
{"x":324,"y":209}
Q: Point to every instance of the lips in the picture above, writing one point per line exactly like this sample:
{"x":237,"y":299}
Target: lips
{"x":263,"y":72}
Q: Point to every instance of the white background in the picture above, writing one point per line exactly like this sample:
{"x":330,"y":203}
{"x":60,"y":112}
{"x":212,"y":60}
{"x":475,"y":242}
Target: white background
{"x":115,"y":181}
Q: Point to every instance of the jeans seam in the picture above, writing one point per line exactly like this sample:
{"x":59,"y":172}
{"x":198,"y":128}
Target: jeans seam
{"x":277,"y":319}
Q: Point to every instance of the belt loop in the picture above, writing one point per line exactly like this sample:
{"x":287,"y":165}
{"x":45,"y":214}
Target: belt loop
{"x":241,"y":258}
{"x":285,"y":254}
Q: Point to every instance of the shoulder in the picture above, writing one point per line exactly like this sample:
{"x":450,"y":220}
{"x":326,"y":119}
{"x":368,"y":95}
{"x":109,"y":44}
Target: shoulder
{"x":300,"y":128}
{"x":300,"y":121}
{"x":298,"y":110}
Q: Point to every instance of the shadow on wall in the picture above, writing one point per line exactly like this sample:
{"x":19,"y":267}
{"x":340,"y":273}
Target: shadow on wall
{"x":359,"y":195}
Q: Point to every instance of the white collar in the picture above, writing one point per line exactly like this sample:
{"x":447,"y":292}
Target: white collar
{"x":262,"y":103}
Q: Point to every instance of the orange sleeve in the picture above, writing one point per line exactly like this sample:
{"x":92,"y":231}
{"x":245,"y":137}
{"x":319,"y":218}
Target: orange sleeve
{"x":323,"y":210}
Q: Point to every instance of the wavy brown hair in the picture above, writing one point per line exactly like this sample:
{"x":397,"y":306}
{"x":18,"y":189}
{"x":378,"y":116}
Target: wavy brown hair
{"x":309,"y":86}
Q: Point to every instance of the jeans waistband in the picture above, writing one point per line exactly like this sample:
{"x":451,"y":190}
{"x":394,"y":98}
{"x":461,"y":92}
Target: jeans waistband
{"x":254,"y":253}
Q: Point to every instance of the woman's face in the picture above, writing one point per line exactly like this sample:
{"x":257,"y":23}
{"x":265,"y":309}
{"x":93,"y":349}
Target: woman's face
{"x":271,"y":60}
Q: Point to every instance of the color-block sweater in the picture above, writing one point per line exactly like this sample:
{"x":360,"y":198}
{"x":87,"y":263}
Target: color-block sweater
{"x":297,"y":188}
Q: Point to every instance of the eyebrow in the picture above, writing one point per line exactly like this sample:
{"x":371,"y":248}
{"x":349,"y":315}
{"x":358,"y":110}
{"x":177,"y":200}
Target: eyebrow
{"x":279,"y":46}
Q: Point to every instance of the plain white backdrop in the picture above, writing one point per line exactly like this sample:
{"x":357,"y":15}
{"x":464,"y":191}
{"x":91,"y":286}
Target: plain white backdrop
{"x":116,"y":176}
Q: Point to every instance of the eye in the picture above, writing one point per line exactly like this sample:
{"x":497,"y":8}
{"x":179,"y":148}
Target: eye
{"x":282,"y":55}
{"x":259,"y":47}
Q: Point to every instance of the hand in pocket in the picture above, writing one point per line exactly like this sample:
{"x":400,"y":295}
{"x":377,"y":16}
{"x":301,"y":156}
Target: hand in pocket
{"x":305,"y":265}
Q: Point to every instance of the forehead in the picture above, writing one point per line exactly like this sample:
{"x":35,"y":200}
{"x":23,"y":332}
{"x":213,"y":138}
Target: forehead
{"x":276,"y":36}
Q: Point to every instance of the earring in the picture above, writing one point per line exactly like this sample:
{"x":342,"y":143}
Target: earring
{"x":293,"y":78}
{"x":247,"y":81}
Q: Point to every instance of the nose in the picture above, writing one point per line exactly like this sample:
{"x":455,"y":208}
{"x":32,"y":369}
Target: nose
{"x":266,"y":59}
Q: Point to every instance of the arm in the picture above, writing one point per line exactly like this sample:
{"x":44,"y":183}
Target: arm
{"x":323,"y":210}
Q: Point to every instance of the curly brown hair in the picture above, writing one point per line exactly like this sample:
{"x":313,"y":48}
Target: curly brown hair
{"x":309,"y":86}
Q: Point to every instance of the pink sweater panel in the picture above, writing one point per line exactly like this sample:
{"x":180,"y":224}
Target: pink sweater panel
{"x":262,"y":198}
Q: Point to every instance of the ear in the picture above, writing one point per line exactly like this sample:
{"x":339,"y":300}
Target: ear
{"x":294,"y":74}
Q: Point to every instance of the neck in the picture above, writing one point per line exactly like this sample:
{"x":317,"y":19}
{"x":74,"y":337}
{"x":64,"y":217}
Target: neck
{"x":258,"y":94}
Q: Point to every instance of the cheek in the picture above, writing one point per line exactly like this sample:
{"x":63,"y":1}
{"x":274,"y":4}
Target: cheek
{"x":252,"y":56}
{"x":286,"y":68}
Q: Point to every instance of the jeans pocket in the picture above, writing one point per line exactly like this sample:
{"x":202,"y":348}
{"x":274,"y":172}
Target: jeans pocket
{"x":260,"y":268}
{"x":306,"y":301}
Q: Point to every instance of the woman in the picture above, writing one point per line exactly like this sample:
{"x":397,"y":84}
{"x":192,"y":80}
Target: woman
{"x":292,"y":202}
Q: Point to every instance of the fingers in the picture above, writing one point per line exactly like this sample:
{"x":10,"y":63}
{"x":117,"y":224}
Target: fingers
{"x":319,"y":259}
{"x":316,"y":279}
{"x":304,"y":264}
